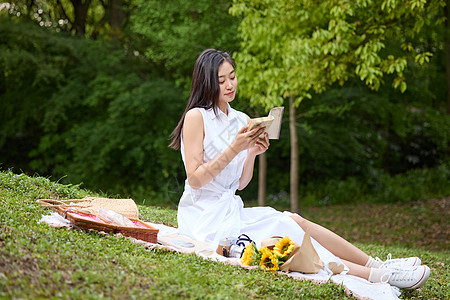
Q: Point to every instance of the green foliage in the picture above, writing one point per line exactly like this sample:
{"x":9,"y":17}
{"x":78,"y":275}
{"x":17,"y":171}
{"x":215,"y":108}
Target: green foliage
{"x":89,"y":111}
{"x":351,"y":132}
{"x":176,"y":32}
{"x":89,"y":18}
{"x":351,"y":140}
{"x":84,"y":109}
{"x":297,"y":50}
{"x":130,"y":138}
{"x":32,"y":65}
{"x":415,"y":185}
{"x":311,"y":45}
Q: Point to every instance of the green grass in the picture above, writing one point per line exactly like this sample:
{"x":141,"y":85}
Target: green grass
{"x":40,"y":262}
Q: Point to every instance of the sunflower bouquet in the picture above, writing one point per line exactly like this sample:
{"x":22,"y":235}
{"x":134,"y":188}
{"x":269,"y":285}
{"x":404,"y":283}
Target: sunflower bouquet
{"x":283,"y":254}
{"x":251,"y":255}
{"x":271,"y":257}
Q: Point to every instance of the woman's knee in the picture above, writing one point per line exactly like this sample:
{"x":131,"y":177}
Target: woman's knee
{"x":302,"y":222}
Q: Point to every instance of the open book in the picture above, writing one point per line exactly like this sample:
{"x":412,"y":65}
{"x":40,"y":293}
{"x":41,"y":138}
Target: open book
{"x":272,"y":122}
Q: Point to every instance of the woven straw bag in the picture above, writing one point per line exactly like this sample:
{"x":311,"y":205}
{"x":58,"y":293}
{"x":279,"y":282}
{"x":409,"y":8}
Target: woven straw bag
{"x":84,"y":213}
{"x":90,"y":205}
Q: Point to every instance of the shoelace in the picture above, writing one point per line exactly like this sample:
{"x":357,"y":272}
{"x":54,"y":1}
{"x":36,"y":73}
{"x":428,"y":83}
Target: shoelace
{"x":389,"y":261}
{"x":398,"y":275}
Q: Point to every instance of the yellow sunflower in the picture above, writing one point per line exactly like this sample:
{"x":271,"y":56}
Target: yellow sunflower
{"x":268,"y":260}
{"x":284,"y":247}
{"x":251,"y":255}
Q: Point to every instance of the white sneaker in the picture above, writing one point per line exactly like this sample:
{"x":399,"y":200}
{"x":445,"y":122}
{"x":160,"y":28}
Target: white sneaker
{"x":407,"y":278}
{"x":399,"y":263}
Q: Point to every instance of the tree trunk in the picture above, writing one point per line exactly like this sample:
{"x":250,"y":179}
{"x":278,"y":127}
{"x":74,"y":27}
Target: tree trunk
{"x":80,"y":9}
{"x":447,"y":53}
{"x":262,"y":179}
{"x":116,"y":13}
{"x":294,"y":157}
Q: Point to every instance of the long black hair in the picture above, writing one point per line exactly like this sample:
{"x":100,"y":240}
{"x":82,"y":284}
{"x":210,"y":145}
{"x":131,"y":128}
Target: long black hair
{"x":205,"y":87}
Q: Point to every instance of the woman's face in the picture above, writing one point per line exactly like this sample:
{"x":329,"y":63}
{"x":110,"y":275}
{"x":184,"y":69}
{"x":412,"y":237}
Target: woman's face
{"x":227,"y":83}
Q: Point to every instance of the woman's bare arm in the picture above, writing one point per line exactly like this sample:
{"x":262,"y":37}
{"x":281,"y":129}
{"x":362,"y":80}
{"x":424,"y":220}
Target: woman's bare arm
{"x":198,"y":172}
{"x":259,"y":147}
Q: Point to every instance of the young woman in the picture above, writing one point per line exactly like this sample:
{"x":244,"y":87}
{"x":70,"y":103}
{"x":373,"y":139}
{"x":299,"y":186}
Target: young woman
{"x":219,"y":154}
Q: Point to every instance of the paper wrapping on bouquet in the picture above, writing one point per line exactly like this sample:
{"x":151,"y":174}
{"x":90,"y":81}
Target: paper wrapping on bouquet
{"x":303,"y":258}
{"x":91,"y":205}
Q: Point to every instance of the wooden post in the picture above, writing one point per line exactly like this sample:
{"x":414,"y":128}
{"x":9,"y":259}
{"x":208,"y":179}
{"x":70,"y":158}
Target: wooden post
{"x":447,"y":52}
{"x":294,"y":157}
{"x":262,"y":179}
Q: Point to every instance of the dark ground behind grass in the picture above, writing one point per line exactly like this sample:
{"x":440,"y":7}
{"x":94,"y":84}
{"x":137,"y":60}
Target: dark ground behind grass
{"x":423,"y":225}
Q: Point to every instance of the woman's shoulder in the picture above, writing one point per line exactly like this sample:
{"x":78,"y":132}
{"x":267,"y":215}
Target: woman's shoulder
{"x":193,"y":116}
{"x":194,"y":112}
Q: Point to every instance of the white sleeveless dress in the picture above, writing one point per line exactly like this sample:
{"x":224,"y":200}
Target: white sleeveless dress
{"x":214,"y":212}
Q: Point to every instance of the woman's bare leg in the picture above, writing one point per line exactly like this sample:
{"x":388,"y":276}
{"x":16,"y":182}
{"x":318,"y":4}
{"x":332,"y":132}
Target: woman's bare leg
{"x":357,"y":270}
{"x":333,"y":242}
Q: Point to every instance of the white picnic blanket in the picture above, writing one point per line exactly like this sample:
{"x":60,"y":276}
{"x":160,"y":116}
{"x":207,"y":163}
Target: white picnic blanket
{"x":169,"y":238}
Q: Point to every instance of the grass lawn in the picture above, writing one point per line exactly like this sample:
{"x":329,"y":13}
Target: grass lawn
{"x":38,"y":261}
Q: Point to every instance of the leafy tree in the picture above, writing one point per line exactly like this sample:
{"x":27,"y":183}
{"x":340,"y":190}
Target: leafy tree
{"x":292,"y":49}
{"x":83,"y":109}
{"x":89,"y":110}
{"x":32,"y":63}
{"x":88,"y":18}
{"x":176,"y":32}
